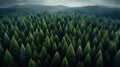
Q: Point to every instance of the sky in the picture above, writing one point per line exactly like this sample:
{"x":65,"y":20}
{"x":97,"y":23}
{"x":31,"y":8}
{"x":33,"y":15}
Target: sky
{"x":70,"y":3}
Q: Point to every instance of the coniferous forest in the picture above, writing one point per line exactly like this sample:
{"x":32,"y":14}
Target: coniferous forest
{"x":59,"y":40}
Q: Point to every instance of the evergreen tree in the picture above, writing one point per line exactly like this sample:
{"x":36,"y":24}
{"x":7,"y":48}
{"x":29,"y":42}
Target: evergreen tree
{"x":16,"y":35}
{"x":79,"y":43}
{"x":41,"y":35}
{"x":80,"y":64}
{"x":6,"y":41}
{"x":14,"y":49}
{"x":95,"y":41}
{"x":30,"y":38}
{"x":87,"y":60}
{"x":100,"y":46}
{"x":56,"y":60}
{"x":64,"y":48}
{"x":112,"y":48}
{"x":107,"y":60}
{"x":28,"y":52}
{"x":93,"y":54}
{"x":47,"y":61}
{"x":31,"y":63}
{"x":54,"y":48}
{"x":33,"y":46}
{"x":23,"y":56}
{"x":71,"y":55}
{"x":43,"y":54}
{"x":1,"y":55}
{"x":93,"y":51}
{"x":79,"y":53}
{"x":35,"y":55}
{"x":44,"y":25}
{"x":65,"y":62}
{"x":99,"y":62}
{"x":87,"y":48}
{"x":117,"y":59}
{"x":8,"y":60}
{"x":99,"y":53}
{"x":47,"y":44}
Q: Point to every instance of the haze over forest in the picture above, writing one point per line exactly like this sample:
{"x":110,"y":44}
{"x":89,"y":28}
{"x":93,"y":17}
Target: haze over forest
{"x":70,"y":3}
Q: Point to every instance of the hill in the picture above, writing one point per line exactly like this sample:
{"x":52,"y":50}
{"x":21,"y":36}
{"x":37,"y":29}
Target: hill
{"x":98,"y":10}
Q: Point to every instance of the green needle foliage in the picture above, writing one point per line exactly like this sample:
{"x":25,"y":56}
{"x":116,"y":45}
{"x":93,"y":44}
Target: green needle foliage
{"x":59,"y":39}
{"x":8,"y":60}
{"x":31,"y":63}
{"x":65,"y":62}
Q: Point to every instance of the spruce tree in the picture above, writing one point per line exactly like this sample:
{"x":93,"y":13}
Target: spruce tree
{"x":6,"y":41}
{"x":1,"y":55}
{"x":112,"y":49}
{"x":23,"y":56}
{"x":14,"y":49}
{"x":56,"y":60}
{"x":35,"y":55}
{"x":8,"y":60}
{"x":99,"y":62}
{"x":47,"y":44}
{"x":80,"y":64}
{"x":79,"y":53}
{"x":87,"y":60}
{"x":64,"y":48}
{"x":31,"y":63}
{"x":65,"y":62}
{"x":71,"y":55}
{"x":28,"y":52}
{"x":54,"y":48}
{"x":117,"y":59}
{"x":43,"y":54}
{"x":87,"y":48}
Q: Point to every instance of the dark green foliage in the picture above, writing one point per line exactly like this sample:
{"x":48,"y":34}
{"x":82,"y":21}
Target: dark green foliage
{"x":28,"y":52}
{"x":1,"y":54}
{"x":99,"y":62}
{"x":65,"y":62}
{"x":71,"y":55}
{"x":31,"y":63}
{"x":6,"y":41}
{"x":93,"y":52}
{"x":8,"y":60}
{"x":79,"y":53}
{"x":80,"y":64}
{"x":30,"y":38}
{"x":117,"y":59}
{"x":47,"y":44}
{"x":64,"y":48}
{"x":47,"y":61}
{"x":87,"y":60}
{"x":59,"y":40}
{"x":112,"y":49}
{"x":87,"y":48}
{"x":56,"y":60}
{"x":14,"y":49}
{"x":54,"y":48}
{"x":23,"y":56}
{"x":35,"y":55}
{"x":43,"y":53}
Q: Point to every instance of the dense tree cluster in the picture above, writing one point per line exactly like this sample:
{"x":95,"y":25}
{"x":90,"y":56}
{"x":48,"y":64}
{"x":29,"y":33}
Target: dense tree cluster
{"x":59,"y":40}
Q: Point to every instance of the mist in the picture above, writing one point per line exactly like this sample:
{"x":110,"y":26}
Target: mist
{"x":70,"y":3}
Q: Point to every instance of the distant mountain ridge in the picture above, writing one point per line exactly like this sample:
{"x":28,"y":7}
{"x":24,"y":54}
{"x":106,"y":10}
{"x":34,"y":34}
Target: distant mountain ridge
{"x":99,"y":10}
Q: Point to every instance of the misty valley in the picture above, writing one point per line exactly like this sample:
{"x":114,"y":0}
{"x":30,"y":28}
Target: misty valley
{"x":59,"y":36}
